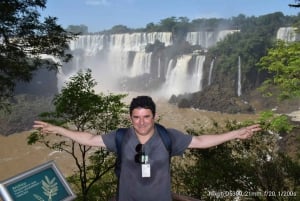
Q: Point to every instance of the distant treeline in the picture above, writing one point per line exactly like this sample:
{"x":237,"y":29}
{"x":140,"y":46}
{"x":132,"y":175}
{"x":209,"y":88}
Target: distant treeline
{"x":181,"y":25}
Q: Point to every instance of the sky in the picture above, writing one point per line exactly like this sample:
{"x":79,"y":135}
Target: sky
{"x":99,"y":15}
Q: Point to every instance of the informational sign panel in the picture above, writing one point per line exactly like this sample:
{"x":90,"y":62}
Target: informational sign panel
{"x":43,"y":183}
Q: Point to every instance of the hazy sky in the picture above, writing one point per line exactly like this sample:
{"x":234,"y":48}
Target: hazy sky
{"x":104,"y":14}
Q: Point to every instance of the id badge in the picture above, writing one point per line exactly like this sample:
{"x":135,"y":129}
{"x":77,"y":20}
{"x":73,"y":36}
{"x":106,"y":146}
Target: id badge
{"x":146,"y":170}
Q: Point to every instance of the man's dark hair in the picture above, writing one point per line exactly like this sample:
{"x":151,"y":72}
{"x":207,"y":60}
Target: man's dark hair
{"x":145,"y":102}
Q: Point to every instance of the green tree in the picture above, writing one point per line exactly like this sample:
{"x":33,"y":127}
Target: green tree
{"x":256,"y":166}
{"x":119,"y":29}
{"x":78,"y":29}
{"x":23,"y":39}
{"x":151,"y":27}
{"x":283,"y":61}
{"x":168,"y":24}
{"x":78,"y":107}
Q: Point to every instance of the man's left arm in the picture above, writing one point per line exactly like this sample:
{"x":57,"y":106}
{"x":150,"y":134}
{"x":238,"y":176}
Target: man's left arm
{"x":206,"y":141}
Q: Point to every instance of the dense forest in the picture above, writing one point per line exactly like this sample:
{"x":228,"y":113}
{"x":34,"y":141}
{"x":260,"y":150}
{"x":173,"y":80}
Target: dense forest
{"x":181,"y":25}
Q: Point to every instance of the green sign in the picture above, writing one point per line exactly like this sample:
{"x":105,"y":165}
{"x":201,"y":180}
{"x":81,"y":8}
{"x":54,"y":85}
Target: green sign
{"x":43,"y":183}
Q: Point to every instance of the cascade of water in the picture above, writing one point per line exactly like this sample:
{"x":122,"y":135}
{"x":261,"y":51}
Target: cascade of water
{"x":138,"y":41}
{"x":176,"y":82}
{"x":179,"y":81}
{"x":91,"y":44}
{"x":113,"y":57}
{"x":158,"y":68}
{"x":288,"y":34}
{"x":239,"y":88}
{"x":141,"y":64}
{"x":210,"y":71}
{"x":223,"y":33}
{"x":115,"y":63}
{"x":196,"y":78}
{"x":204,"y":39}
{"x":207,"y":39}
{"x":170,"y":68}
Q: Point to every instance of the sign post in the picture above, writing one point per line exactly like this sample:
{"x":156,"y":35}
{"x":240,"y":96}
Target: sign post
{"x":43,"y":183}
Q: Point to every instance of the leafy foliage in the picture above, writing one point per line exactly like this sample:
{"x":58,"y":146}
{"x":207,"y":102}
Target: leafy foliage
{"x":24,"y":38}
{"x":77,"y":29}
{"x":256,"y":165}
{"x":78,"y":106}
{"x":283,"y":62}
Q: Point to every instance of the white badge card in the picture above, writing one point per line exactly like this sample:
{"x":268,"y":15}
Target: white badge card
{"x":146,"y":170}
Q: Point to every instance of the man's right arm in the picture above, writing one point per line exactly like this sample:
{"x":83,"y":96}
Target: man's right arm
{"x":83,"y":138}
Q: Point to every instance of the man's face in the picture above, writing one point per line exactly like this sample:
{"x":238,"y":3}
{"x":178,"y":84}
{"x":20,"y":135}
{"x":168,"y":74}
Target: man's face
{"x":143,"y":121}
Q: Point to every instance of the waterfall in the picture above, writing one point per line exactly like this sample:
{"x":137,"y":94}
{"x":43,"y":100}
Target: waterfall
{"x":159,"y":68}
{"x":141,"y":64}
{"x":197,"y":75}
{"x":223,"y":33}
{"x":288,"y":34}
{"x":210,"y":71}
{"x":179,"y":81}
{"x":120,"y":59}
{"x":207,"y":39}
{"x":91,"y":44}
{"x":176,"y":83}
{"x":138,"y":41}
{"x":239,"y":88}
{"x":171,"y":64}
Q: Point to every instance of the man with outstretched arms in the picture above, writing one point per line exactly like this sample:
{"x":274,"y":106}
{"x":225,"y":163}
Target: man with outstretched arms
{"x":145,"y":166}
